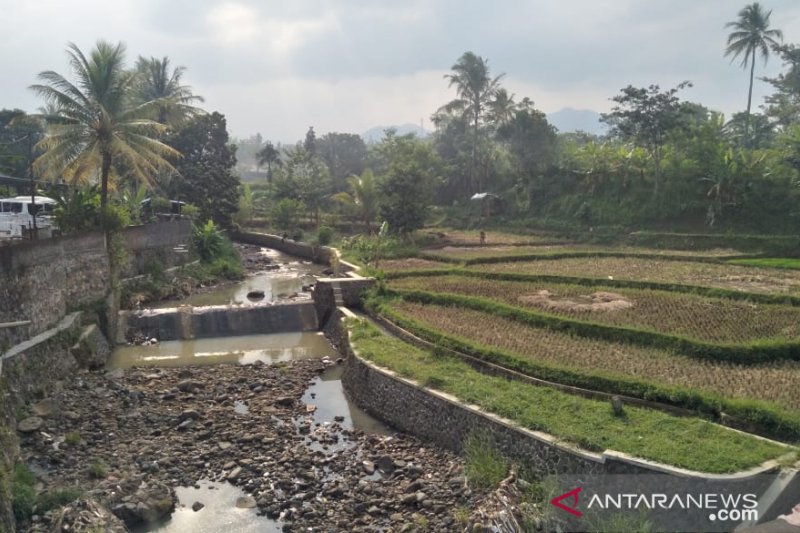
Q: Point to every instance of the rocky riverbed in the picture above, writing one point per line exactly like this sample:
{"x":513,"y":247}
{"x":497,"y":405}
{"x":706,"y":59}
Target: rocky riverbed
{"x":130,"y":437}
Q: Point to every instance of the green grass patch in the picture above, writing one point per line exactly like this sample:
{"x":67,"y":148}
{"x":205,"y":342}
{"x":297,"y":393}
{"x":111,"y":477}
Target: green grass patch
{"x":485,"y":466}
{"x":690,"y":443}
{"x":769,"y":262}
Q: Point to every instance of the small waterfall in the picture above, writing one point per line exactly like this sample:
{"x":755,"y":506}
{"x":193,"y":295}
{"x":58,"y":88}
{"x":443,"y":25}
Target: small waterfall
{"x":186,"y":322}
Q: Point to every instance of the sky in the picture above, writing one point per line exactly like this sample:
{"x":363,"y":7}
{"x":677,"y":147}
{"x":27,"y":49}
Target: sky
{"x":278,"y":67}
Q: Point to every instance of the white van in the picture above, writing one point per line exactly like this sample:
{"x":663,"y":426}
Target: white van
{"x":16,"y":215}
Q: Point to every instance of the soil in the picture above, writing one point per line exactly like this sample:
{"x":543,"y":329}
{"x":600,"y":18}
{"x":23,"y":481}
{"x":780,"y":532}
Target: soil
{"x":597,"y":301}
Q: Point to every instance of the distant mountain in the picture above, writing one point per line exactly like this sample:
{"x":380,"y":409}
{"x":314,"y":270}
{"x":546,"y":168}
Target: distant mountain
{"x":569,"y":119}
{"x":376,"y":134}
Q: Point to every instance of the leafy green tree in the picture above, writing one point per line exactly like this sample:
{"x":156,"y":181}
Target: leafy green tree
{"x":783,"y":106}
{"x":98,"y":123}
{"x":345,"y":154}
{"x":310,"y":143}
{"x":532,"y":144}
{"x":751,"y":35}
{"x":756,"y":128}
{"x":156,"y":82}
{"x":406,"y":188}
{"x":303,"y":177}
{"x":475,"y":90}
{"x":269,"y":155}
{"x":19,"y":134}
{"x":645,"y":116}
{"x":205,"y":172}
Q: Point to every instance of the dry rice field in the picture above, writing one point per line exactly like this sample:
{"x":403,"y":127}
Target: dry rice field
{"x":702,"y":318}
{"x":733,"y":277}
{"x":772,"y":382}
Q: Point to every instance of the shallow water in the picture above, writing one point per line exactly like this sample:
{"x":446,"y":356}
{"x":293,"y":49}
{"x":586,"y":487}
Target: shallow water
{"x":286,"y":280}
{"x":219,"y":514}
{"x":242,"y":349}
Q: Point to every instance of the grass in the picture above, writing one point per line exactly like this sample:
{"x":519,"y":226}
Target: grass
{"x":771,"y":382}
{"x":692,"y":316}
{"x":737,"y":277}
{"x":685,"y":442}
{"x":412,"y":263}
{"x":485,"y":468}
{"x":787,"y":263}
{"x":25,"y":501}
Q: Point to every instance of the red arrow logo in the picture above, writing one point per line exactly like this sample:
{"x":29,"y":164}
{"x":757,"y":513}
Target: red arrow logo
{"x":570,"y":507}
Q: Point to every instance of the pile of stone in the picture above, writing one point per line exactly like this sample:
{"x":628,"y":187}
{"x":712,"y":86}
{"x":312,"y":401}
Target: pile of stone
{"x":156,"y":429}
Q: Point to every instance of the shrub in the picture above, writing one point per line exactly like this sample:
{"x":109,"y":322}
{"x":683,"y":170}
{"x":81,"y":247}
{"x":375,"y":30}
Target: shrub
{"x":324,"y":236}
{"x":208,"y":241}
{"x":23,"y":493}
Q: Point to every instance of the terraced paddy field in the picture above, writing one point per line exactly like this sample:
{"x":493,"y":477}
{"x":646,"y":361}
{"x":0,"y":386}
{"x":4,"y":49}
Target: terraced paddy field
{"x":496,"y":252}
{"x":725,"y":276}
{"x":543,"y":349}
{"x":690,"y":443}
{"x":473,"y":238}
{"x":412,"y":263}
{"x":716,"y":320}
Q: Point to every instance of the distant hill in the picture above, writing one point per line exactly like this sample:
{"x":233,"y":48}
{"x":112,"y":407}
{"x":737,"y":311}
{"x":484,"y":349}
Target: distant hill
{"x":376,"y":134}
{"x":570,"y":119}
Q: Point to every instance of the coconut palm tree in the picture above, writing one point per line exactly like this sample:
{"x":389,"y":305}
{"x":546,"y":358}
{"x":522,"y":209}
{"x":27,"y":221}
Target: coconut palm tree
{"x":751,"y":35}
{"x":475,"y":89}
{"x":97,"y":123}
{"x":502,"y":108}
{"x":154,"y":81}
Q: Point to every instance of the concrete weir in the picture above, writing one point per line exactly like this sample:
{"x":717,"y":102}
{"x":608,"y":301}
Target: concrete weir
{"x":187,"y":322}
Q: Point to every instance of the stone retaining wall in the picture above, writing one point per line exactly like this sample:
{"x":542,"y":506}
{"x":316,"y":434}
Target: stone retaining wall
{"x":41,"y":280}
{"x":317,"y":254}
{"x":189,"y":322}
{"x":349,"y":291}
{"x":166,"y":242}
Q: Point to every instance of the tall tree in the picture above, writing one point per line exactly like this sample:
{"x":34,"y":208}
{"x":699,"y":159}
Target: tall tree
{"x":156,"y":82}
{"x":345,"y":154}
{"x":310,"y":143}
{"x":783,"y":106}
{"x":269,"y":155}
{"x":645,"y":116}
{"x":502,"y":108}
{"x":206,"y":176}
{"x":475,"y":89}
{"x":751,"y":35}
{"x":98,"y":123}
{"x":406,"y":188}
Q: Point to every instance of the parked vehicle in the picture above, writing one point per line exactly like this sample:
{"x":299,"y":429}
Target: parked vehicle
{"x":17,"y":215}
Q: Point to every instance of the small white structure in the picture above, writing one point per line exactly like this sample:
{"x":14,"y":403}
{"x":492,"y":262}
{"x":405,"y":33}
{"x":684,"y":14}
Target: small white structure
{"x":17,"y":214}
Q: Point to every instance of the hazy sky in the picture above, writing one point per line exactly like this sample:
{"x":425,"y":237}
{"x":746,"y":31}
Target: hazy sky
{"x":348,"y":65}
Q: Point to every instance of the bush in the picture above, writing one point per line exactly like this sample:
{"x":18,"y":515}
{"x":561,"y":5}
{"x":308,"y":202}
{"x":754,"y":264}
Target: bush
{"x":324,"y":236}
{"x":284,"y":213}
{"x":208,"y":241}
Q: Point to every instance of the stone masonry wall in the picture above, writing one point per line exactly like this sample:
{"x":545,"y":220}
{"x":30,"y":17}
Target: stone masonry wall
{"x":41,"y":280}
{"x":351,"y":291}
{"x":165,"y":241}
{"x":317,"y":254}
